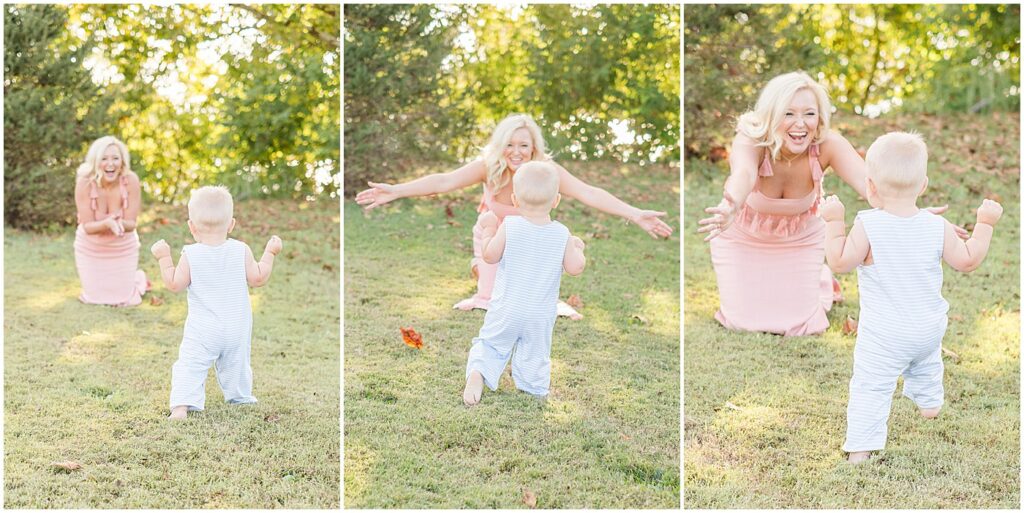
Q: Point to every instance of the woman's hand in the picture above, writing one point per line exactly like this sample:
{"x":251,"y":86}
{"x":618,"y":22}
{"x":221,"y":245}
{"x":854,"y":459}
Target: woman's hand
{"x":960,"y":231}
{"x":648,"y":220}
{"x":721,"y":218}
{"x":377,"y":195}
{"x":113,"y":223}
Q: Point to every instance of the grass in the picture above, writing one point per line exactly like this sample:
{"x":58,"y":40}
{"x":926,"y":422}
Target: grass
{"x":765,"y":416}
{"x":608,"y":436}
{"x":90,"y":384}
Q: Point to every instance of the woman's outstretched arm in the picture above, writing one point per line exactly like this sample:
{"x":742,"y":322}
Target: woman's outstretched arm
{"x":380,"y":193}
{"x":604,"y":201}
{"x":742,"y":177}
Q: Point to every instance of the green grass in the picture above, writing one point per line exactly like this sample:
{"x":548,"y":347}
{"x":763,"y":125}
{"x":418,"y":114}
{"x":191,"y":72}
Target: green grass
{"x":90,"y":384}
{"x":608,"y":436}
{"x":765,"y":416}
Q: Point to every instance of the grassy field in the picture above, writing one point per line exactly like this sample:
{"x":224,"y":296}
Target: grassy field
{"x":608,"y":436}
{"x":90,"y":384}
{"x":765,"y":416}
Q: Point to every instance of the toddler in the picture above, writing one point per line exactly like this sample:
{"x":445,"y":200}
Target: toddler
{"x":218,"y":272}
{"x":531,"y":251}
{"x":898,"y":249}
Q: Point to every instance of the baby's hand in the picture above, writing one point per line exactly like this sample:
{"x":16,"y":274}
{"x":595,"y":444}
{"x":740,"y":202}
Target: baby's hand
{"x":577,"y":242}
{"x":160,"y":249}
{"x":832,"y":209}
{"x":488,"y":224}
{"x":274,"y":245}
{"x":989,"y":212}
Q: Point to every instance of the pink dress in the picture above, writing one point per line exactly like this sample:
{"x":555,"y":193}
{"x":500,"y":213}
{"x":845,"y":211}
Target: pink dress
{"x":485,"y":271}
{"x":108,"y":265}
{"x":770,"y":263}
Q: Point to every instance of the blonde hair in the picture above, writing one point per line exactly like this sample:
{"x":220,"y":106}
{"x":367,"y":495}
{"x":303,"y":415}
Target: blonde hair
{"x":211,"y":208}
{"x":762,"y":123}
{"x":535,"y":184}
{"x":90,"y":169}
{"x":493,"y":153}
{"x":898,"y":161}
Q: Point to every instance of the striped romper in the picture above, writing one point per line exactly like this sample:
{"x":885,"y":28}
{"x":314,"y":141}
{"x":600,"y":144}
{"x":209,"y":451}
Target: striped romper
{"x":902,"y":321}
{"x":218,"y":328}
{"x":523,"y":307}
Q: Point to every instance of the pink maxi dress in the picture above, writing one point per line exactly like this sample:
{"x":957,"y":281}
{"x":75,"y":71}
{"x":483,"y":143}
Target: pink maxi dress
{"x":108,"y":265}
{"x":486,"y":272}
{"x":770,"y":263}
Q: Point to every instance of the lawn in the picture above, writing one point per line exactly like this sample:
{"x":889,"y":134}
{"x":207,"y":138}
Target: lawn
{"x":765,"y":416}
{"x":89,"y":384}
{"x":608,"y":435}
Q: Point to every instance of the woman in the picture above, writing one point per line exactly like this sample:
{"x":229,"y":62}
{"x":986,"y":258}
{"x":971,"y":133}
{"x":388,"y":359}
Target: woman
{"x":516,"y":140}
{"x":108,"y":196}
{"x":767,"y":242}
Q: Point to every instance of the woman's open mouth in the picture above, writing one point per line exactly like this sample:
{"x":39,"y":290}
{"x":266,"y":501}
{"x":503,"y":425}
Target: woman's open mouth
{"x":797,"y":136}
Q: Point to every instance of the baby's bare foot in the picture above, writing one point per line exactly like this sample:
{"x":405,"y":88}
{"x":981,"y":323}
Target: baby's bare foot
{"x":474,"y":389}
{"x":178,"y":413}
{"x":859,"y":457}
{"x":930,"y":413}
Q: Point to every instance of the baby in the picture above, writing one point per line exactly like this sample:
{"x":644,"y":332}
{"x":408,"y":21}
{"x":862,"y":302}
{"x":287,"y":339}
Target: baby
{"x":218,"y":272}
{"x":898,"y":249}
{"x":531,"y":251}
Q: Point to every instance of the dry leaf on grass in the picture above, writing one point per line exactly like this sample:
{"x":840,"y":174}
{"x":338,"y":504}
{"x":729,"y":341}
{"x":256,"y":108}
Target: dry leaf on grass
{"x":575,"y":301}
{"x":849,"y":326}
{"x":411,"y":338}
{"x":156,"y":300}
{"x":530,"y":499}
{"x":951,"y":354}
{"x":273,"y":417}
{"x":732,"y":406}
{"x":66,"y":466}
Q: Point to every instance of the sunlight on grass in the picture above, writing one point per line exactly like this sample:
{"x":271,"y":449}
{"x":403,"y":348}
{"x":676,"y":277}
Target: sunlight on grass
{"x":994,"y":343}
{"x":561,"y":413}
{"x":87,"y":347}
{"x":662,"y":308}
{"x":45,"y":298}
{"x":358,"y":461}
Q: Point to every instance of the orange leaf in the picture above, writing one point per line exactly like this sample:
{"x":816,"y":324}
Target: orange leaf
{"x":530,"y":499}
{"x":156,"y":300}
{"x":575,"y":301}
{"x":849,"y":326}
{"x":66,"y":466}
{"x":411,"y":338}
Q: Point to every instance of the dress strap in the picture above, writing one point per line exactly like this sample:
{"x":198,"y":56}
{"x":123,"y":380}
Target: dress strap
{"x":766,"y":167}
{"x":94,"y":196}
{"x":124,"y":192}
{"x":816,"y":172}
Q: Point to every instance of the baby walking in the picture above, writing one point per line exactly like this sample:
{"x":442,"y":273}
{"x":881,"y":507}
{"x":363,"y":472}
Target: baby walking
{"x":531,"y":251}
{"x":217,"y":271}
{"x":898,"y":251}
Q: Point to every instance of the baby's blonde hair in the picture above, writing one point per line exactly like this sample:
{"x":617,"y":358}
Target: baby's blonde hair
{"x":493,"y":153}
{"x":90,"y":169}
{"x":898,"y":162}
{"x":211,"y":208}
{"x":535,"y":184}
{"x":762,"y":123}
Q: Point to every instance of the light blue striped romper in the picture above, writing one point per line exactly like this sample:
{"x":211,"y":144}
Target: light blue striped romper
{"x":902,"y":321}
{"x":523,"y":307}
{"x":218,"y":328}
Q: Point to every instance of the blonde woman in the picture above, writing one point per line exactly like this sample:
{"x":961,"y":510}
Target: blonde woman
{"x":515,"y":141}
{"x":767,"y":241}
{"x":108,"y":198}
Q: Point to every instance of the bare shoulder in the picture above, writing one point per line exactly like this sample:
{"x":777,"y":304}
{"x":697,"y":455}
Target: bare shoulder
{"x":81,"y":184}
{"x":831,"y":141}
{"x":133,"y":179}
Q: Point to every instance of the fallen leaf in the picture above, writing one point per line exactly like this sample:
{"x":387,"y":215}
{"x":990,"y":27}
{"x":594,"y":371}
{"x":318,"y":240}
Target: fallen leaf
{"x":638,"y":319}
{"x":718,"y":153}
{"x":530,"y":499}
{"x":66,"y":466}
{"x":411,"y":338}
{"x":849,"y":326}
{"x":575,"y":301}
{"x":951,"y":354}
{"x":732,"y":406}
{"x":448,"y":211}
{"x":328,"y":267}
{"x":273,"y":417}
{"x":156,"y":300}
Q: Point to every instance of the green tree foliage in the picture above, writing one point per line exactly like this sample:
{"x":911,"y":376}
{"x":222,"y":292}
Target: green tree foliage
{"x":53,"y":111}
{"x":428,"y":83}
{"x":873,"y":58}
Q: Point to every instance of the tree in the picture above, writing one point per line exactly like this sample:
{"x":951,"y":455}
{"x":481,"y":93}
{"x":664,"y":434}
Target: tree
{"x":53,"y":111}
